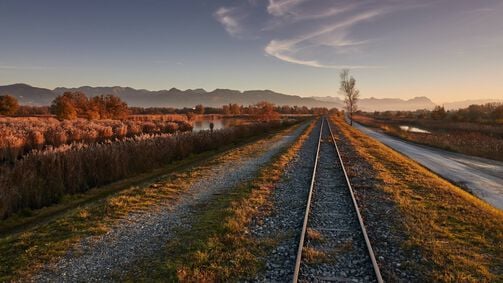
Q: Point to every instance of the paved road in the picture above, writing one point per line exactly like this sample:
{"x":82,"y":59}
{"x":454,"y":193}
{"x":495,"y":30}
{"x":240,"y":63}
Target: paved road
{"x":482,"y":177}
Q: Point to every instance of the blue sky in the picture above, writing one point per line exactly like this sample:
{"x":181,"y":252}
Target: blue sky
{"x":444,"y":49}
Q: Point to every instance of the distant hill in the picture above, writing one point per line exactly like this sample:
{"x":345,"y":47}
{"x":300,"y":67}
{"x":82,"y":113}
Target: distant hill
{"x":385,"y":104}
{"x":465,"y":103}
{"x":29,"y":95}
{"x":189,"y":98}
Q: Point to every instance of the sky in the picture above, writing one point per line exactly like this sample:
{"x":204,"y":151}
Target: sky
{"x":447,"y":50}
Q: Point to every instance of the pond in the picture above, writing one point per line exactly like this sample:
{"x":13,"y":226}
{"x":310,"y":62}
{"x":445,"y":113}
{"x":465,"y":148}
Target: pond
{"x":203,"y":125}
{"x":414,"y":130}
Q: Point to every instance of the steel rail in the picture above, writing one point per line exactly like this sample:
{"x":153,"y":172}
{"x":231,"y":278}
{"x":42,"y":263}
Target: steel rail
{"x":360,"y":219}
{"x":306,"y":215}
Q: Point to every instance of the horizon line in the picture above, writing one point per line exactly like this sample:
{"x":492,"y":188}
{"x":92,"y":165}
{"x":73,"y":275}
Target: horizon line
{"x":246,"y":90}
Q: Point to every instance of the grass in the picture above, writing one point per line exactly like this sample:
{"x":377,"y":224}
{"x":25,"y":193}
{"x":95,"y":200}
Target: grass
{"x":460,"y":236}
{"x":467,"y":139}
{"x":313,"y":235}
{"x":31,"y":218}
{"x":313,"y":256}
{"x":23,"y":253}
{"x":218,"y":246}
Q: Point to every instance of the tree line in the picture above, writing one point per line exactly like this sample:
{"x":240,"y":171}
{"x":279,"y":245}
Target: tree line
{"x":69,"y":106}
{"x":485,"y":113}
{"x":72,"y":105}
{"x":232,"y":109}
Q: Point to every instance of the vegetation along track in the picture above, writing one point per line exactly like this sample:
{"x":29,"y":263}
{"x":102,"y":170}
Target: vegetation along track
{"x":333,"y":243}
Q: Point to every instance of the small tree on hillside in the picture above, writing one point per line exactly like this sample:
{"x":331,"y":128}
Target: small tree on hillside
{"x":350,"y":92}
{"x":8,"y":105}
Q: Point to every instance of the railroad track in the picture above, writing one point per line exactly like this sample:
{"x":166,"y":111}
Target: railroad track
{"x":333,"y":244}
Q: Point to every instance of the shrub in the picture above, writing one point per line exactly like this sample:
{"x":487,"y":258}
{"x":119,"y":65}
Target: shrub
{"x":38,"y":133}
{"x":107,"y":132}
{"x":8,"y":105}
{"x":43,"y":177}
{"x":37,"y":139}
{"x":109,"y":107}
{"x":65,"y":106}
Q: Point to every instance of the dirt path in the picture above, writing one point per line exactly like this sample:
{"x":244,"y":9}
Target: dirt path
{"x":143,"y":234}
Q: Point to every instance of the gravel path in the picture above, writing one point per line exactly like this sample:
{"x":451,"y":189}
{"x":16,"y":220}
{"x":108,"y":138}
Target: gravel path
{"x":143,"y":234}
{"x":289,"y":200}
{"x":334,"y":225}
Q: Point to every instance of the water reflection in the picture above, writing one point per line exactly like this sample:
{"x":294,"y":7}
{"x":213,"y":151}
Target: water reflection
{"x":203,"y":125}
{"x":414,"y":130}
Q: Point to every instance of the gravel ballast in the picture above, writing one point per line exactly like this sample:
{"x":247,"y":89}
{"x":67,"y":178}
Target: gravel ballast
{"x":381,"y":218}
{"x":338,"y":250}
{"x":379,"y":215}
{"x":285,"y":221}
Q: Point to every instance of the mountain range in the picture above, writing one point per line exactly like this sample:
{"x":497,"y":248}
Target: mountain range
{"x":383,"y":104}
{"x":465,"y":103}
{"x":35,"y":96}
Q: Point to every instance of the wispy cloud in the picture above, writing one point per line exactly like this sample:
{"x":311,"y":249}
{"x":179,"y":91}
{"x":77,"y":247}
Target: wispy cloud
{"x":301,"y":10}
{"x":227,"y":18}
{"x":282,"y":7}
{"x":313,"y":33}
{"x":281,"y":51}
{"x":481,"y":10}
{"x":333,"y":35}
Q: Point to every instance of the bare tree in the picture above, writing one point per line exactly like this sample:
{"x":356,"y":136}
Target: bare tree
{"x":350,"y":92}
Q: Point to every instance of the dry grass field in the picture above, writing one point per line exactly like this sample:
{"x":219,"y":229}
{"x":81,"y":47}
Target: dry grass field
{"x":459,"y":235}
{"x":21,"y":135}
{"x":468,"y":138}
